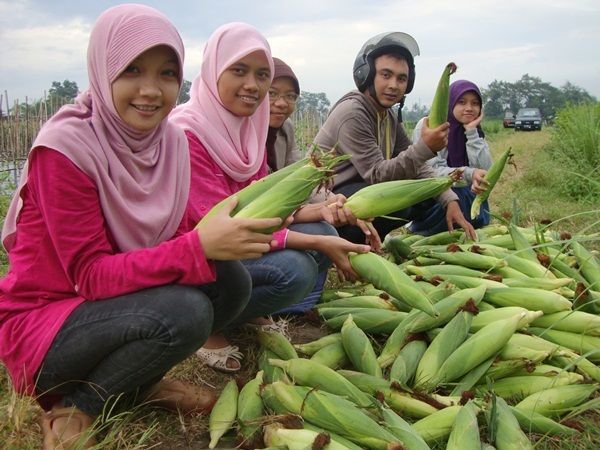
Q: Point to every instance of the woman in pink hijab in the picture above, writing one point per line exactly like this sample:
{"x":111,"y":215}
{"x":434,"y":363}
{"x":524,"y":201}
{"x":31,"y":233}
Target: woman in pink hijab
{"x":226,"y":122}
{"x":104,"y":292}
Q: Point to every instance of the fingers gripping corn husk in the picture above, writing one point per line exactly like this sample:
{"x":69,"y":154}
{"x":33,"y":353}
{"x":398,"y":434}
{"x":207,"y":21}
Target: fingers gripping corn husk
{"x":332,"y":356}
{"x":557,"y":400}
{"x":437,"y":425}
{"x":223,"y":413}
{"x":509,"y":435}
{"x":359,"y":349}
{"x":476,"y":349}
{"x":330,"y":412}
{"x":491,"y":177}
{"x":405,"y":365}
{"x":290,"y":193}
{"x":306,"y":372}
{"x":381,"y":199}
{"x":450,"y":338}
{"x":465,"y":431}
{"x":392,"y":279}
{"x":310,"y":348}
{"x":402,"y":430}
{"x":438,"y":114}
{"x":250,"y":407}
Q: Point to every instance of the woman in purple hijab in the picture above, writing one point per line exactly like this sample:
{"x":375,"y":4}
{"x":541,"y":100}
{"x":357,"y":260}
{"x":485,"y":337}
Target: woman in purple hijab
{"x":467,"y":149}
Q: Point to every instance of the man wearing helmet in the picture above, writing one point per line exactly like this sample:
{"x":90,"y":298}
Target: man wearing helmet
{"x":362,"y":124}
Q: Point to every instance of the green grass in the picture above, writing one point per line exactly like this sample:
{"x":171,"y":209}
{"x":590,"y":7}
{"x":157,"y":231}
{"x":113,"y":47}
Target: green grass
{"x":533,"y":187}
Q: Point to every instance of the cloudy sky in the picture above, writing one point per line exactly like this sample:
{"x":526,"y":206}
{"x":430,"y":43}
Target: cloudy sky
{"x":557,"y":40}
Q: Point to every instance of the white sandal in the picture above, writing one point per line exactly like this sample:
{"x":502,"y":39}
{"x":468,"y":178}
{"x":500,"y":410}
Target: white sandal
{"x":217,"y":357}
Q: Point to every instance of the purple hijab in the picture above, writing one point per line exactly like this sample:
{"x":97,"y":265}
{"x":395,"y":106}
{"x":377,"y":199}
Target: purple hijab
{"x":457,"y":140}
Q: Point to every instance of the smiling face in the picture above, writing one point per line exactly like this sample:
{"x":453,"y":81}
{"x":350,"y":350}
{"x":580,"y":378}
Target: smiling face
{"x":282,"y":107}
{"x":244,"y":85}
{"x":391,"y":79}
{"x":146,"y":91}
{"x":467,"y":108}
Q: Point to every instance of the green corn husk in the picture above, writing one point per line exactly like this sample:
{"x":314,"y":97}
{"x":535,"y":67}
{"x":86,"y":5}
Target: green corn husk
{"x":470,"y":259}
{"x":527,"y":267}
{"x":507,"y":367}
{"x":580,"y":343}
{"x":331,"y":412}
{"x":588,"y":265}
{"x":438,"y":114}
{"x":277,"y":343}
{"x":336,"y":437}
{"x":397,"y":246}
{"x":444,"y":269}
{"x":223,"y":413}
{"x":568,"y":359}
{"x":557,"y":400}
{"x":465,"y":431}
{"x":522,"y":245}
{"x":382,"y":199}
{"x":362,"y":301}
{"x":486,"y":317}
{"x":301,"y":439}
{"x":310,"y":348}
{"x":491,"y":177}
{"x":405,"y":365}
{"x":438,"y":425}
{"x":389,"y":277}
{"x":509,"y":435}
{"x":532,"y":422}
{"x":374,"y":321}
{"x":403,"y":430}
{"x":572,"y":321}
{"x":359,"y":349}
{"x":329,"y":313}
{"x":548,"y":284}
{"x":249,"y":408}
{"x":270,"y":373}
{"x":291,"y":192}
{"x":332,"y":356}
{"x":518,"y":387}
{"x":306,"y":372}
{"x":532,"y":299}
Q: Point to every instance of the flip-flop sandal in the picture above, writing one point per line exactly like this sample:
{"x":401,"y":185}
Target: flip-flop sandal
{"x":73,"y":433}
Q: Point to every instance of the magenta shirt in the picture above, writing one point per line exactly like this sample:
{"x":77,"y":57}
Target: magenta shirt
{"x":64,"y":255}
{"x":209,"y":185}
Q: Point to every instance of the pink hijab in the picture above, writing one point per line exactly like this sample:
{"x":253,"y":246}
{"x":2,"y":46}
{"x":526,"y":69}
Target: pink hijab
{"x":142,"y":178}
{"x":236,"y":144}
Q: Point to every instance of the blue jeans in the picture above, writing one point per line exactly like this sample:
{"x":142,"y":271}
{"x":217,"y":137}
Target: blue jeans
{"x":285,"y":277}
{"x":434,"y":221}
{"x":121,"y":345}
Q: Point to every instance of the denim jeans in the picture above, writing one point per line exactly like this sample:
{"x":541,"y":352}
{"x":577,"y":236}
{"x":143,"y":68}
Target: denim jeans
{"x":120,"y":345}
{"x":285,"y":277}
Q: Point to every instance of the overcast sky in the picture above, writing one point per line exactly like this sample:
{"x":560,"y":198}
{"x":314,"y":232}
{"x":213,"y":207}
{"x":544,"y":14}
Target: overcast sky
{"x":557,"y":40}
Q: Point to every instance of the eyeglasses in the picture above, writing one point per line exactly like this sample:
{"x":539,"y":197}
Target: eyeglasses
{"x":290,"y":98}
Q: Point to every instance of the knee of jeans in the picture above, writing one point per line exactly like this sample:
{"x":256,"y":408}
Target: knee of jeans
{"x":189,"y":315}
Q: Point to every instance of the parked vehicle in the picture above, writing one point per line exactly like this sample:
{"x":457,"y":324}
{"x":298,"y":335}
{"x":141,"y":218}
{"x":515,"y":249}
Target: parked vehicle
{"x":509,"y":120}
{"x":528,"y":119}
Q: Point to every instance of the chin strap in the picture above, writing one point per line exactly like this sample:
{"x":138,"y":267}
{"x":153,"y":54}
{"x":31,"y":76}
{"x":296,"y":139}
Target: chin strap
{"x":400,"y":106}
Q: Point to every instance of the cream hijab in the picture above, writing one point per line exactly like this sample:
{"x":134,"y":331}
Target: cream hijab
{"x":142,"y":178}
{"x":236,"y":144}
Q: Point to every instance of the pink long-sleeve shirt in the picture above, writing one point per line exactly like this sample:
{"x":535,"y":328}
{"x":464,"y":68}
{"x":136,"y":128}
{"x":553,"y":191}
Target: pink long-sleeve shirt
{"x":210,"y":184}
{"x":64,"y":255}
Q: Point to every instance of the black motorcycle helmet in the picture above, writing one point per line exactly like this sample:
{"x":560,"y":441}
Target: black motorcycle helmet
{"x":384,"y":43}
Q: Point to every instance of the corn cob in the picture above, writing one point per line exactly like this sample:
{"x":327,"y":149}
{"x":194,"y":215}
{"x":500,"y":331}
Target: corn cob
{"x":572,"y":321}
{"x":589,"y":346}
{"x":548,"y":284}
{"x":511,"y":352}
{"x":309,"y":373}
{"x":362,"y":301}
{"x":437,"y":425}
{"x":509,"y":435}
{"x":277,"y":343}
{"x":223,"y":413}
{"x":518,"y":387}
{"x":465,"y":431}
{"x":335,"y":437}
{"x":568,"y":359}
{"x":418,"y":321}
{"x":443,"y":269}
{"x":301,"y":439}
{"x":329,"y":313}
{"x":332,"y":356}
{"x":359,"y":348}
{"x":557,"y":400}
{"x":469,"y":259}
{"x":331,"y":412}
{"x":522,"y":245}
{"x":402,"y":402}
{"x":375,"y":321}
{"x":472,"y":377}
{"x":310,"y":348}
{"x":546,"y":370}
{"x":532,"y":269}
{"x":588,"y":265}
{"x":491,"y":178}
{"x":397,"y":247}
{"x":332,"y":294}
{"x":476,"y":349}
{"x":450,"y":338}
{"x":381,"y":199}
{"x":405,"y":365}
{"x":532,"y":422}
{"x":486,"y":317}
{"x":292,"y":191}
{"x":402,"y":430}
{"x":533,"y":299}
{"x":270,"y":373}
{"x":249,"y":408}
{"x":438,"y":114}
{"x":463,"y":282}
{"x":389,"y":277}
{"x":271,"y":438}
